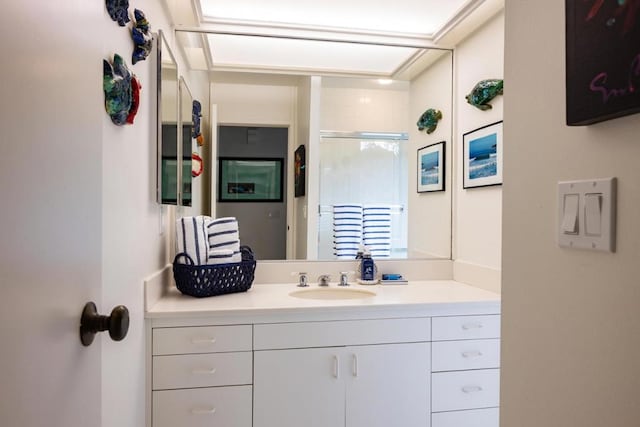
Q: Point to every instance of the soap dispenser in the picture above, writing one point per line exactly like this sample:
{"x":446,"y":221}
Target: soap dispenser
{"x":367,"y":269}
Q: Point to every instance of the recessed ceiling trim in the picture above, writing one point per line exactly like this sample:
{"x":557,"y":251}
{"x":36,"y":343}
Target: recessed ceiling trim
{"x":228,"y":28}
{"x":457,"y":18}
{"x":297,"y":71}
{"x":408,"y":63}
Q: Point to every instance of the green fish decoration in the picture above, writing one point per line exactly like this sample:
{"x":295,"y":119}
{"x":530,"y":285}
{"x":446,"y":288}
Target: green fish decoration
{"x":118,"y":96}
{"x":484,"y":92}
{"x":429,"y":120}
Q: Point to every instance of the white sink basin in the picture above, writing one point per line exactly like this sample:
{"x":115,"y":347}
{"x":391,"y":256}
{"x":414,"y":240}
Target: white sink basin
{"x":332,"y":293}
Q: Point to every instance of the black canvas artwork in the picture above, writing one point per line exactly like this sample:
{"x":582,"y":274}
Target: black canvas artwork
{"x":299,"y":171}
{"x":603,"y":60}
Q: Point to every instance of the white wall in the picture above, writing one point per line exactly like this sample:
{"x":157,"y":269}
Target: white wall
{"x":430,"y":213}
{"x":135,"y":229}
{"x":477,"y":212}
{"x":570,"y":318}
{"x":349,"y":109}
{"x":257,"y":104}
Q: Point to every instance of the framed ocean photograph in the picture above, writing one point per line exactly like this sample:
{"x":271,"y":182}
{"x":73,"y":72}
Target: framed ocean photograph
{"x":430,"y":171}
{"x":482,"y":156}
{"x":250,"y":179}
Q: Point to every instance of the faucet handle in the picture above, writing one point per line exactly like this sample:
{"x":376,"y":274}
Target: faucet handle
{"x":344,"y":278}
{"x":324,"y":280}
{"x":302,"y":279}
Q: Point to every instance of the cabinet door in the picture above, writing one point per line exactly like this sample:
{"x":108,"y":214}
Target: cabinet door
{"x":388,"y":385}
{"x":295,"y":388}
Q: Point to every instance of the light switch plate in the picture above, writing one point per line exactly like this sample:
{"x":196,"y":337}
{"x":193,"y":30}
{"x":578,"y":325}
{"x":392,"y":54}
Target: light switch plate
{"x":581,"y":240}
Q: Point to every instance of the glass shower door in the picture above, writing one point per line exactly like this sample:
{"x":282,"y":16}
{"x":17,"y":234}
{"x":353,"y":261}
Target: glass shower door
{"x":367,"y":171}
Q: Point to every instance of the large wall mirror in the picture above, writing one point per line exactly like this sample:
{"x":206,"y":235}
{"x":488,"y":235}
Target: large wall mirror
{"x":342,"y":117}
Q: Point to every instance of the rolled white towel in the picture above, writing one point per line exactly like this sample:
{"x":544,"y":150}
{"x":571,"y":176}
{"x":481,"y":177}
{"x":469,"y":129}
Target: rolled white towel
{"x":191,"y":238}
{"x":223,"y":235}
{"x":224,"y":256}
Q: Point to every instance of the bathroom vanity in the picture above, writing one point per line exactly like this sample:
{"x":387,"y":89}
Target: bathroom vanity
{"x":423,"y":354}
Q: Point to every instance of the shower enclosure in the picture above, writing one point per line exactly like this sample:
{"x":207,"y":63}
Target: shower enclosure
{"x":367,"y":170}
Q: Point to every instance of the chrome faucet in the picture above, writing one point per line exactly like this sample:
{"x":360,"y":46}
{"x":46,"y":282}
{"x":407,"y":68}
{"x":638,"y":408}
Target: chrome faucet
{"x":344,"y":278}
{"x":302,"y":280}
{"x":324,"y":280}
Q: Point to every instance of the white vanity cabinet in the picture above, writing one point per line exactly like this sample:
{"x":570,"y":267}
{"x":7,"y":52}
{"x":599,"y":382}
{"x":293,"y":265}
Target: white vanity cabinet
{"x":465,"y":371}
{"x":418,"y":355}
{"x":201,"y":376}
{"x":381,"y":381}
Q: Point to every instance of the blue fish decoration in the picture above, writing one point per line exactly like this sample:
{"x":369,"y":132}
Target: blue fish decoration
{"x":429,"y":120}
{"x":118,"y":11}
{"x":196,"y":113}
{"x":142,"y":38}
{"x":118,"y":97}
{"x":484,"y":92}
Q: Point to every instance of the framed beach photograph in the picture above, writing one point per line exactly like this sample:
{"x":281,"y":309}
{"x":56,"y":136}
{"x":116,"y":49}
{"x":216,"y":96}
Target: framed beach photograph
{"x":482,"y":156}
{"x":250,"y":180}
{"x":431,"y":168}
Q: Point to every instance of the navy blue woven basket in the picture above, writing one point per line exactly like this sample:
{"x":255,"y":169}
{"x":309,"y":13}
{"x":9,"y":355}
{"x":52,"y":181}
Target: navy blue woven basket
{"x":210,"y":280}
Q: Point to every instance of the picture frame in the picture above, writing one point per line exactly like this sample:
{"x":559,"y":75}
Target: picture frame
{"x":482,"y":156}
{"x":602,"y":61}
{"x":242,"y":179}
{"x":299,"y":171}
{"x":431,"y":168}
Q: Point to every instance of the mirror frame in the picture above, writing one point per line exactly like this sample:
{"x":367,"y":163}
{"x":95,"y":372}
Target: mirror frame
{"x":162,"y":48}
{"x":183,"y":90}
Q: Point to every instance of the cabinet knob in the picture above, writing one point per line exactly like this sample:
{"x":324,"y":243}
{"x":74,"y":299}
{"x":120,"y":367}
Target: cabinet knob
{"x":91,"y":323}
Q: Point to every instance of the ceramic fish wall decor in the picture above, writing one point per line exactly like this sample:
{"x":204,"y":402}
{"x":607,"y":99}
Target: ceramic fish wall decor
{"x":196,"y":115}
{"x":121,"y":91}
{"x":118,"y":11}
{"x":142,"y":38}
{"x":429,"y":120}
{"x":483,"y":92}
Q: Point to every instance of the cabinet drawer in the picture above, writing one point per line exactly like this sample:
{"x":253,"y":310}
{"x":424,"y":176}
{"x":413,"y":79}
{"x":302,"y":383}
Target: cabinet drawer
{"x":351,"y":332}
{"x":205,"y":339}
{"x":203,"y":407}
{"x":465,"y":354}
{"x":466,"y":327}
{"x":473,"y":418}
{"x":465,"y":390}
{"x":202,"y":370}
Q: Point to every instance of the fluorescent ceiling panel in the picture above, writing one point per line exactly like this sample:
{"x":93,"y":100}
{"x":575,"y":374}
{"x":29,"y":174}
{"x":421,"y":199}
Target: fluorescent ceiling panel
{"x":400,"y":16}
{"x":309,"y":55}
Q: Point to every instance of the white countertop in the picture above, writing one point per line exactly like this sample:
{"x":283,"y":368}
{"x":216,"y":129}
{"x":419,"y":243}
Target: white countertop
{"x":272,"y":303}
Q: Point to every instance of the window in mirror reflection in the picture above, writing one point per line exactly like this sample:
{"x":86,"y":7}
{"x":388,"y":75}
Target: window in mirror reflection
{"x":363,"y":196}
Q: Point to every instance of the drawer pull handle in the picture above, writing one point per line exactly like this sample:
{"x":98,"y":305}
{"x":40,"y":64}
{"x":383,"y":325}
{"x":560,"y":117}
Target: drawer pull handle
{"x":203,"y":341}
{"x":471,"y":388}
{"x":468,"y":326}
{"x":468,"y":354}
{"x":205,"y":411}
{"x":355,"y":365}
{"x":336,"y":372}
{"x":204,"y":371}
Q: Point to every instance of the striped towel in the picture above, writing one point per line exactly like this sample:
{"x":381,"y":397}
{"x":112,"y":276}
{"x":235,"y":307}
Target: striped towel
{"x":191,"y":238}
{"x":376,"y":224}
{"x":223,"y":240}
{"x":347,"y":230}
